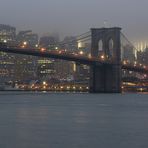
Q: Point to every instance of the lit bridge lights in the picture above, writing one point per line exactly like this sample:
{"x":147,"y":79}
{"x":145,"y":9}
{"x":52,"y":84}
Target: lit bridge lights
{"x":43,"y":49}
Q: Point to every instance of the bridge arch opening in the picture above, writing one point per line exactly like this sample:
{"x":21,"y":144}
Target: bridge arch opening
{"x":110,"y":48}
{"x":100,"y":45}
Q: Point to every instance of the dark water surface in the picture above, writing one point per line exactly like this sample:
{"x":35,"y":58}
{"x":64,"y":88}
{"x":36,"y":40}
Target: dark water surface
{"x":46,"y":120}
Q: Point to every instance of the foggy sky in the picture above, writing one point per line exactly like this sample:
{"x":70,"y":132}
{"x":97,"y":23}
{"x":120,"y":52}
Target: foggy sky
{"x":73,"y":17}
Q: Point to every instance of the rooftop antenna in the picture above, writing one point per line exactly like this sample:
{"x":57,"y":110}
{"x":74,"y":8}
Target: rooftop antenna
{"x":105,"y":24}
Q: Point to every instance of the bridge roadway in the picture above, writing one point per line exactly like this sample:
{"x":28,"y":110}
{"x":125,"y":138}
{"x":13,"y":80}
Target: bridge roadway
{"x":81,"y":59}
{"x":70,"y":57}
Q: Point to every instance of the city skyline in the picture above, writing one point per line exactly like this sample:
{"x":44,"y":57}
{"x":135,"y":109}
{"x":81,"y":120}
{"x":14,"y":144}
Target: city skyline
{"x":140,"y":45}
{"x":73,"y":73}
{"x":75,"y":17}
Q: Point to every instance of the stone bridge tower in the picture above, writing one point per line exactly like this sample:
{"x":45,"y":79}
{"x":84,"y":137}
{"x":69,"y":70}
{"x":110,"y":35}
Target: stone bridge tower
{"x":105,"y":44}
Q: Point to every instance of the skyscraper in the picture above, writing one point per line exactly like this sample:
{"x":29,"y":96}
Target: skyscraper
{"x":7,"y":33}
{"x":27,"y":38}
{"x":7,"y":61}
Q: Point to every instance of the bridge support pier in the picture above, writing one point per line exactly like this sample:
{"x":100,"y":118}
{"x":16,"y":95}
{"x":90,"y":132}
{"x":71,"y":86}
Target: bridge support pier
{"x":105,"y":79}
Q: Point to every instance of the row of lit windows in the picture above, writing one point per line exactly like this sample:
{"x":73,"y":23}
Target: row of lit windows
{"x":47,"y":71}
{"x":6,"y":62}
{"x":44,"y":62}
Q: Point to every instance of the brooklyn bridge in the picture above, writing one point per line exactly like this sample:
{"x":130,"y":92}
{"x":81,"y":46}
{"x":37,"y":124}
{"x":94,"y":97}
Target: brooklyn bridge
{"x":105,"y":59}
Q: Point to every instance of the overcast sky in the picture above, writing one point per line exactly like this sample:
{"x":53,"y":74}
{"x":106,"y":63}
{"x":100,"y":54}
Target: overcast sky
{"x":73,"y":17}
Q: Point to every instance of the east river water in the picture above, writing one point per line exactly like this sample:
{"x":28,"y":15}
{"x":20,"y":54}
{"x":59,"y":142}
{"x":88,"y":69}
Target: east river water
{"x":73,"y":120}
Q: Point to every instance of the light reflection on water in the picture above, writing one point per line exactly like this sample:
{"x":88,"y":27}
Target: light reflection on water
{"x":61,"y":120}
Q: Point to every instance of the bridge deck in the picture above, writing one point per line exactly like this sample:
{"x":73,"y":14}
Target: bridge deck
{"x":70,"y":57}
{"x":55,"y":55}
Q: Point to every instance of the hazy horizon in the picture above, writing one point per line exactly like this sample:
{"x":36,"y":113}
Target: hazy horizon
{"x":73,"y":17}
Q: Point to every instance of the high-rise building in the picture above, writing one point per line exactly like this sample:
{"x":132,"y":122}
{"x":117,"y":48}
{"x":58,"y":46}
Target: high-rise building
{"x":49,"y":42}
{"x":7,"y":33}
{"x":45,"y":69}
{"x":7,"y":61}
{"x":69,"y":43}
{"x":63,"y":69}
{"x":128,"y":53}
{"x":27,"y":39}
{"x":7,"y":67}
{"x":142,"y":57}
{"x":26,"y":66}
{"x":82,"y":73}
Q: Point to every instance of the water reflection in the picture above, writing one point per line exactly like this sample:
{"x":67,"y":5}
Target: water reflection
{"x":73,"y":120}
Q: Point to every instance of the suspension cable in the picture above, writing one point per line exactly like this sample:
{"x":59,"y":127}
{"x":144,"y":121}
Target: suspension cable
{"x":123,"y":35}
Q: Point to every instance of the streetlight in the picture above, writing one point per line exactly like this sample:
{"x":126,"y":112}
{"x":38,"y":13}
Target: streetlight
{"x":43,"y":49}
{"x":102,"y":57}
{"x":36,"y":45}
{"x":124,"y":62}
{"x":5,"y":41}
{"x":44,"y":83}
{"x":81,"y":52}
{"x":24,"y":43}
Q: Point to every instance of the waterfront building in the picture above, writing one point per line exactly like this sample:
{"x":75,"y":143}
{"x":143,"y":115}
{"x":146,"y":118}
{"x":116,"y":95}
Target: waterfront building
{"x":63,"y":69}
{"x":7,"y":67}
{"x":26,"y":66}
{"x":45,"y":69}
{"x":7,"y":61}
